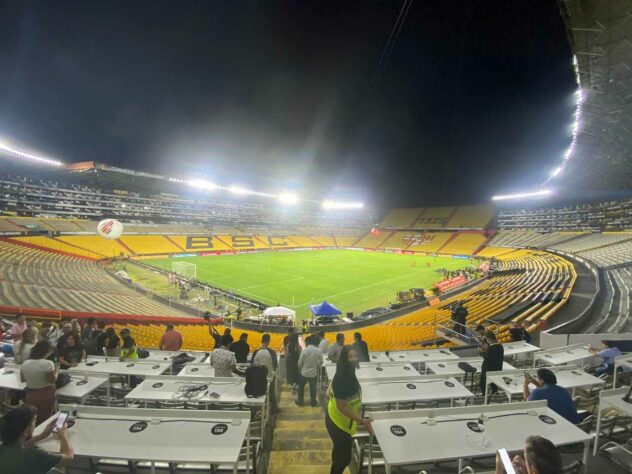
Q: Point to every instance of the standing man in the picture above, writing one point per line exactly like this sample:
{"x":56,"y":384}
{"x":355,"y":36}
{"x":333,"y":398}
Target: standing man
{"x":18,"y":328}
{"x":241,"y":348}
{"x":309,"y":364}
{"x":171,"y":340}
{"x":493,"y":355}
{"x":323,"y":345}
{"x":268,"y":357}
{"x":361,"y":348}
{"x":86,"y":331}
{"x":336,"y":347}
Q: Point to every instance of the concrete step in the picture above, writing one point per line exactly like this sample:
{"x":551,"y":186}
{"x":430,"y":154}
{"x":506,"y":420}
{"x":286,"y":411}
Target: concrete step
{"x":298,"y":416}
{"x":316,"y":425}
{"x":303,"y":433}
{"x":306,"y":458}
{"x":301,"y":444}
{"x":292,"y":409}
{"x":301,"y":469}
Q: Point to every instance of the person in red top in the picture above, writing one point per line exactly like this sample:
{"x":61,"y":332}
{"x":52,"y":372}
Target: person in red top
{"x":171,"y":340}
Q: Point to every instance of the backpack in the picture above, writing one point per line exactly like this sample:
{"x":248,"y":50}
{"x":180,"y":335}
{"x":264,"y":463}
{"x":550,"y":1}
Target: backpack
{"x":256,"y":381}
{"x":142,"y":353}
{"x":63,"y":379}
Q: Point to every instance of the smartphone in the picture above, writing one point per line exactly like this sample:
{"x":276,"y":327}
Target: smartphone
{"x":61,"y":420}
{"x":213,"y":395}
{"x":527,"y":375}
{"x":504,"y":458}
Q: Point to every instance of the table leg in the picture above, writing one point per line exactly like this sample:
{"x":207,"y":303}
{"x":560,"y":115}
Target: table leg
{"x":460,"y":464}
{"x":614,"y":376}
{"x":585,"y":455}
{"x":597,"y":432}
{"x":486,"y":391}
{"x":371,"y":457}
{"x":234,"y":468}
{"x":248,"y":452}
{"x":153,"y":467}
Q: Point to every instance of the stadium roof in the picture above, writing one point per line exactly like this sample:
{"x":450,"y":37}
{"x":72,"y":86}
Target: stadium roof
{"x":599,"y":33}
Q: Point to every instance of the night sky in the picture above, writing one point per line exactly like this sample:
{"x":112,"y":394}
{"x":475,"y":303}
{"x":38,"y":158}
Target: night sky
{"x":476,"y":97}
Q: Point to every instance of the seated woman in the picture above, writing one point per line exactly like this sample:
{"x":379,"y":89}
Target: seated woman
{"x":18,"y":453}
{"x":22,"y":350}
{"x":72,"y":353}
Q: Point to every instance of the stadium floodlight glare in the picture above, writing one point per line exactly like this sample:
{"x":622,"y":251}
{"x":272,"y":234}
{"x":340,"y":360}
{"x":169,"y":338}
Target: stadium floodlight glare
{"x":341,"y":205}
{"x":287,"y":198}
{"x":239,"y":191}
{"x":504,"y":197}
{"x":10,"y":150}
{"x":202,"y":184}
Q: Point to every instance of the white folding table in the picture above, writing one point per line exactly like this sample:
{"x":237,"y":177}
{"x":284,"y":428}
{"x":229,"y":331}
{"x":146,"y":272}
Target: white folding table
{"x":455,"y":433}
{"x":167,"y":356}
{"x":614,"y":398}
{"x":155,"y":435}
{"x":197,"y":370}
{"x":369,"y":370}
{"x":563,"y":355}
{"x":211,"y":390}
{"x":379,"y":357}
{"x":451,"y":367}
{"x":127,"y":367}
{"x":420,"y":389}
{"x":624,"y":361}
{"x":10,"y":378}
{"x":422,"y":356}
{"x":513,"y":349}
{"x":569,"y":377}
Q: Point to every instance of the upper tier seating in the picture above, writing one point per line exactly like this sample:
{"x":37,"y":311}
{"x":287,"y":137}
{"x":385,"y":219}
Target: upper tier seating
{"x":471,"y":217}
{"x":464,"y":243}
{"x":593,"y":241}
{"x":401,"y":218}
{"x":530,"y":238}
{"x":611,"y":255}
{"x":434,"y":218}
{"x":36,"y":279}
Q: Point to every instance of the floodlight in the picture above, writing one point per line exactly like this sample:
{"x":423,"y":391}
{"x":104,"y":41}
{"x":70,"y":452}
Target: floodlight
{"x":5,"y":147}
{"x":504,"y":197}
{"x":341,"y":205}
{"x":287,"y":198}
{"x":238,"y":190}
{"x":202,"y":184}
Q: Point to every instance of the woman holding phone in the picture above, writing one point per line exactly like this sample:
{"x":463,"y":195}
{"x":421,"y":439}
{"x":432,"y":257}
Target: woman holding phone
{"x":540,"y":456}
{"x":40,"y":375}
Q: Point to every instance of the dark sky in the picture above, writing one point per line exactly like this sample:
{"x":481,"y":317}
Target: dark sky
{"x":476,"y":96}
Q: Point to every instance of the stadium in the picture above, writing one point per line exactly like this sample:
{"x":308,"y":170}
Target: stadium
{"x":547,"y":271}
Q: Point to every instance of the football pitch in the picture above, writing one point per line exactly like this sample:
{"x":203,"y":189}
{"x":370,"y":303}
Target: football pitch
{"x":352,"y":280}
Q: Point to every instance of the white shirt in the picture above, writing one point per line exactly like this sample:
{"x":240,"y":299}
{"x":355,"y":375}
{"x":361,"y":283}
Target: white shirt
{"x":24,"y":354}
{"x":310,"y":362}
{"x":35,"y":372}
{"x":323,"y":346}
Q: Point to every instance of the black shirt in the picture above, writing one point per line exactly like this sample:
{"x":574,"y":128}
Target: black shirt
{"x":345,"y":385}
{"x":363,"y":351}
{"x":241,"y":350}
{"x":493,"y":358}
{"x":72,"y":355}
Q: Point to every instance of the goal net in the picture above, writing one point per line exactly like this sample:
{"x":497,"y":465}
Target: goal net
{"x":184,"y":269}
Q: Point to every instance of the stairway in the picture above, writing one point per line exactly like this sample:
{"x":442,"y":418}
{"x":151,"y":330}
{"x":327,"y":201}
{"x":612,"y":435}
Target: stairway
{"x":300,"y":442}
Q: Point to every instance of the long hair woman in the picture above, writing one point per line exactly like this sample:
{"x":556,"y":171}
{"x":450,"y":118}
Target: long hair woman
{"x":40,"y":375}
{"x":344,"y":409}
{"x":29,"y":337}
{"x":293,"y":353}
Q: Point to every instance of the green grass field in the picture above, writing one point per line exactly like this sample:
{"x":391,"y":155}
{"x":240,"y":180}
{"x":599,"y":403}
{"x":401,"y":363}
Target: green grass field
{"x":352,"y":280}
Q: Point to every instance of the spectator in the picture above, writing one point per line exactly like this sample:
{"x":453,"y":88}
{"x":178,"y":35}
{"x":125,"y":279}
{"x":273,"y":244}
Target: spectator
{"x":309,"y":364}
{"x":323,"y":345}
{"x":72,"y":353}
{"x":479,"y":333}
{"x":361,"y":347}
{"x":459,"y":317}
{"x":53,"y":333}
{"x":343,"y":409}
{"x":557,"y":398}
{"x":111,"y":343}
{"x":66,"y":330}
{"x":540,"y":457}
{"x":18,"y":328}
{"x":76,"y":327}
{"x":171,"y":340}
{"x":40,"y":375}
{"x":525,"y":327}
{"x":609,"y":353}
{"x":241,"y":348}
{"x":336,"y":347}
{"x":493,"y":355}
{"x":222,"y":360}
{"x":95,"y":343}
{"x":18,"y":452}
{"x":22,"y":349}
{"x":128,"y":348}
{"x":86,"y":331}
{"x":268,"y":357}
{"x":517,"y":333}
{"x":214,"y":333}
{"x":293,"y":354}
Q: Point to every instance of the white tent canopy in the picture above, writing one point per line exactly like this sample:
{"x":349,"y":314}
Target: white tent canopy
{"x":276,"y":311}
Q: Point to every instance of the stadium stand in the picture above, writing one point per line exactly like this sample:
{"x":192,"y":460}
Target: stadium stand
{"x":471,"y":217}
{"x":611,"y":255}
{"x":401,"y":218}
{"x":463,"y":243}
{"x":593,"y":241}
{"x":434,"y":217}
{"x":429,"y":242}
{"x":37,"y":279}
{"x":531,"y":238}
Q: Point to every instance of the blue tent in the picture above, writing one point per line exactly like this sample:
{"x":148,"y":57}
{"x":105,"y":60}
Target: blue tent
{"x":324,"y":309}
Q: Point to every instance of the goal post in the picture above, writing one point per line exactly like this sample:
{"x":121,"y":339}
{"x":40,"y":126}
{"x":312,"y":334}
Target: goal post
{"x":184,"y":269}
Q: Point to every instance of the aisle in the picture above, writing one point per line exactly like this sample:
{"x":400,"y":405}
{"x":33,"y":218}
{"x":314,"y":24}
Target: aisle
{"x":300,"y":440}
